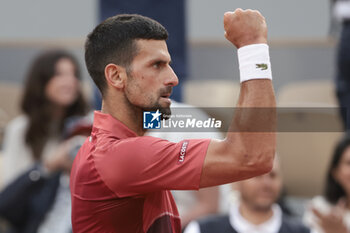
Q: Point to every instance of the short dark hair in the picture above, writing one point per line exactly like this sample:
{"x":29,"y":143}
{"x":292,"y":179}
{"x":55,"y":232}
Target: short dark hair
{"x":333,"y":190}
{"x":113,"y":41}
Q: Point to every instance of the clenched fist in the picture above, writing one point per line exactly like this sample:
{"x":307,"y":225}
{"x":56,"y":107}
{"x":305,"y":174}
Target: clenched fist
{"x":245,"y":27}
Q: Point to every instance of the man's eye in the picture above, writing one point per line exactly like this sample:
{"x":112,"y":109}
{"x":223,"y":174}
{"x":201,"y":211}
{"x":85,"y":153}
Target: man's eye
{"x":156,"y":65}
{"x":159,"y":64}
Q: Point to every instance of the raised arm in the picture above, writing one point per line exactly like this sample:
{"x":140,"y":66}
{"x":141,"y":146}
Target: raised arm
{"x":249,"y":147}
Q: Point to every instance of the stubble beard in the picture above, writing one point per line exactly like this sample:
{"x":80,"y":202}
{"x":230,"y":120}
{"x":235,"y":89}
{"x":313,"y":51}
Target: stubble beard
{"x":165,"y":111}
{"x":154,"y":105}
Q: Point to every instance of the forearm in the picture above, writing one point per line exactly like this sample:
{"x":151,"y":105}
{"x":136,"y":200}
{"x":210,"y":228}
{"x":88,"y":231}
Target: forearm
{"x":249,"y":147}
{"x":251,"y":139}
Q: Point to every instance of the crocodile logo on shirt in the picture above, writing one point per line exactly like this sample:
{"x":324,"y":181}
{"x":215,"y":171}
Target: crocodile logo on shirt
{"x":261,"y":66}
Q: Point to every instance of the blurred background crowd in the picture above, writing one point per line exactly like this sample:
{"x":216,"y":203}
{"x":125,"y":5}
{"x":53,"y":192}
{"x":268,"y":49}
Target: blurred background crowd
{"x":46,"y":100}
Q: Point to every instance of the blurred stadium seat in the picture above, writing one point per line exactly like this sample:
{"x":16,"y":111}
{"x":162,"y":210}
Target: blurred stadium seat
{"x":305,"y":153}
{"x":316,"y":93}
{"x":211,"y":93}
{"x":214,"y":96}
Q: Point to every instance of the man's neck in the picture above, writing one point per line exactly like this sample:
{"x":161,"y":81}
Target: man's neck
{"x":254,"y":215}
{"x":130,"y":117}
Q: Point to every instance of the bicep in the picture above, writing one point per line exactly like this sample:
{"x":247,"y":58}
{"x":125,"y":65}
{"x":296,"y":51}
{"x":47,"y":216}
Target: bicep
{"x":229,"y":161}
{"x":217,"y":167}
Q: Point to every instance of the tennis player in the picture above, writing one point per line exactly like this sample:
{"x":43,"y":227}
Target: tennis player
{"x":120,"y":179}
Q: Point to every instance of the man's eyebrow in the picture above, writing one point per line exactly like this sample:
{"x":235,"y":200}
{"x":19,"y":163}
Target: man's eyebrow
{"x":160,"y":60}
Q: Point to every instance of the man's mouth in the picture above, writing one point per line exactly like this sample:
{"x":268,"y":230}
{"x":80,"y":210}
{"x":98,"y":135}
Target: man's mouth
{"x":166,"y":95}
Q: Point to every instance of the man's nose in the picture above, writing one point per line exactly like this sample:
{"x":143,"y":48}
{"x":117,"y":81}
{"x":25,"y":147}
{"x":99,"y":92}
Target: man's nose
{"x":171,"y":79}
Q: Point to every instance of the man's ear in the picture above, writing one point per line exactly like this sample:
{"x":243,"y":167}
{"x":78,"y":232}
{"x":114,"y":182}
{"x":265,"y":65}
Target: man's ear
{"x":115,"y":75}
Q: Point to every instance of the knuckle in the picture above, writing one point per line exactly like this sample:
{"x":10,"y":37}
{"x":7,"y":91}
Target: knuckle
{"x":238,"y":11}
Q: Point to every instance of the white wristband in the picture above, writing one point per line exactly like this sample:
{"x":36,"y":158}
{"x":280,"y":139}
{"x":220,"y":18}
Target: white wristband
{"x":254,"y":62}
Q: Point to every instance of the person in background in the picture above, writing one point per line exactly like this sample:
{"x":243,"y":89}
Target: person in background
{"x":341,"y":13}
{"x":254,"y":211}
{"x":330,"y":213}
{"x":38,"y":137}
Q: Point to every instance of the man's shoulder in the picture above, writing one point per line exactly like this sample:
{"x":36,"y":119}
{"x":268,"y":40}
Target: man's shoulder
{"x":292,"y":225}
